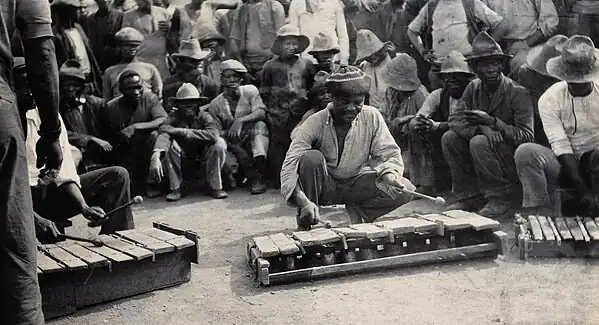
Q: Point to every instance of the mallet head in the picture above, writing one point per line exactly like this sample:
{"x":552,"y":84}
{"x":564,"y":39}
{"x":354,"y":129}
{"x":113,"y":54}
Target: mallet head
{"x":440,"y":200}
{"x":138,"y":199}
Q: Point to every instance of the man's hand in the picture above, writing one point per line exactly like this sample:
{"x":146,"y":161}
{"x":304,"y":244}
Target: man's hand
{"x":46,"y":227}
{"x":479,"y":117}
{"x":156,"y":172}
{"x":429,"y":57}
{"x":105,"y":145}
{"x":93,"y":213}
{"x":589,"y":201}
{"x":308,"y":214}
{"x":390,"y":184}
{"x":534,"y":39}
{"x":234,"y":133}
{"x":49,"y":153}
{"x":421,"y":124}
{"x":128,"y":131}
{"x":494,"y":137}
{"x":166,"y":128}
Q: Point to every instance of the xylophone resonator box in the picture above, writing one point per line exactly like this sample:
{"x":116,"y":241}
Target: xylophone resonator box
{"x":416,"y":240}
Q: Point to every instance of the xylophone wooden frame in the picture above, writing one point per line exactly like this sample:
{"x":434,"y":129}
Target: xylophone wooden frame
{"x":547,"y":237}
{"x":397,"y":251}
{"x":68,"y":285}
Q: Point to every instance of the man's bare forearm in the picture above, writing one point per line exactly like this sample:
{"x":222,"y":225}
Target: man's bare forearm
{"x":298,"y":198}
{"x":42,"y":75}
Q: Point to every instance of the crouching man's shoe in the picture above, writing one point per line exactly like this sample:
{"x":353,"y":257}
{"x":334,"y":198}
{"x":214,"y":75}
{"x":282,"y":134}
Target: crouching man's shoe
{"x":495,"y":208}
{"x":175,"y":195}
{"x":218,"y":194}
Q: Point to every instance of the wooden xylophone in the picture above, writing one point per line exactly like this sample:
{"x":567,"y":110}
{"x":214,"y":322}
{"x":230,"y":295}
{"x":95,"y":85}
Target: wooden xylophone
{"x":539,"y":236}
{"x":415,"y":240}
{"x":74,"y":275}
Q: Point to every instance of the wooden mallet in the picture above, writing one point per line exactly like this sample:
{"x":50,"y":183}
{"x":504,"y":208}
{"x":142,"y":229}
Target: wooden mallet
{"x":96,"y":243}
{"x":136,"y":200}
{"x":437,"y":199}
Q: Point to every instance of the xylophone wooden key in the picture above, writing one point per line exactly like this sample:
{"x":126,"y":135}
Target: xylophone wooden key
{"x":288,"y":250}
{"x":325,"y":239}
{"x":373,"y":234}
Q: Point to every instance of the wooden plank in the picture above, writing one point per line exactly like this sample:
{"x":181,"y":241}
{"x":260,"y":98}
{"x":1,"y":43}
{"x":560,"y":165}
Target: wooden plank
{"x":89,"y":257}
{"x":156,"y":233}
{"x":396,"y":226}
{"x":574,"y":230}
{"x":546,"y":228}
{"x":72,"y":262}
{"x":285,"y":245}
{"x":189,"y":234}
{"x":476,"y":221}
{"x":420,"y":225}
{"x":325,"y":236}
{"x":563,"y":230}
{"x":558,"y":238}
{"x":372,"y":231}
{"x":350,"y":233}
{"x":460,"y":214}
{"x":126,"y":247}
{"x":266,"y":247}
{"x":181,"y":242}
{"x":535,"y":227}
{"x":591,"y":228}
{"x":153,"y":244}
{"x":111,"y":254}
{"x":48,"y":265}
{"x":449,"y":223}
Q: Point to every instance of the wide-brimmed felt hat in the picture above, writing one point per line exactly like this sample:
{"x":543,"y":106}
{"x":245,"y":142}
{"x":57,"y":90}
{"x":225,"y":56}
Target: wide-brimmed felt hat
{"x":367,"y":44}
{"x":485,"y":47}
{"x":191,"y":49}
{"x":233,"y":65}
{"x":207,"y":32}
{"x":455,"y":62}
{"x":71,"y":3}
{"x":188,"y":93}
{"x":129,"y":34}
{"x":348,"y":80}
{"x":539,"y":55}
{"x":71,"y":69}
{"x":577,"y":62}
{"x":289,"y":30}
{"x":324,"y":43}
{"x":401,"y":73}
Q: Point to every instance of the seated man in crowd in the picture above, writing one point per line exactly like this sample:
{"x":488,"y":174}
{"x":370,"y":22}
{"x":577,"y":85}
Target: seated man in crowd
{"x":569,"y":113}
{"x":344,"y":154}
{"x":494,"y":117}
{"x":323,"y":51}
{"x":429,"y":170}
{"x":403,"y":98}
{"x":81,"y":114}
{"x":65,"y":194}
{"x":129,"y":121}
{"x":211,"y":39}
{"x":187,"y":136}
{"x":318,"y":97}
{"x":373,"y":56}
{"x":129,"y":41}
{"x":241,"y":114}
{"x":189,"y":68}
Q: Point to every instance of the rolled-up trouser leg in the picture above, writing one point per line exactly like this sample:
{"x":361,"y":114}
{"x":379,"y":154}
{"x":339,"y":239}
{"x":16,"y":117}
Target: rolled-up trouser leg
{"x":538,"y":170}
{"x":457,"y":153}
{"x":365,"y":202}
{"x":215,"y":156}
{"x":20,"y":299}
{"x":494,"y":167}
{"x":174,"y":166}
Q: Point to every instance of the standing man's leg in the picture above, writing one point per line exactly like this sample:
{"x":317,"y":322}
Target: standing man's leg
{"x":215,"y":156}
{"x":20,"y":301}
{"x":258,"y":140}
{"x":174,"y":167}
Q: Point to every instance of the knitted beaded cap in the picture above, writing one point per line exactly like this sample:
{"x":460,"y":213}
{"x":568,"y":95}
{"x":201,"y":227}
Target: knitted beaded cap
{"x":348,"y":80}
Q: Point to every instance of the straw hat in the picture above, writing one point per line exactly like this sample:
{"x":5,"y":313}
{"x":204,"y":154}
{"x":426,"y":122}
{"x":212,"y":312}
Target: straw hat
{"x":188,"y":93}
{"x":207,"y":32}
{"x":455,"y":62}
{"x":233,"y":65}
{"x":289,"y":30}
{"x":402,"y":73}
{"x":539,"y":55}
{"x":367,"y":44}
{"x":485,"y":47}
{"x":324,"y":43}
{"x":71,"y":69}
{"x":129,"y":34}
{"x":71,"y":3}
{"x":349,"y":80}
{"x":191,"y":49}
{"x":577,"y":63}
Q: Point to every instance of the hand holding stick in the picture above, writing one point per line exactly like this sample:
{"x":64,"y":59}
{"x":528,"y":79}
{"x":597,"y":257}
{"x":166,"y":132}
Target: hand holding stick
{"x":437,"y":199}
{"x":136,"y":200}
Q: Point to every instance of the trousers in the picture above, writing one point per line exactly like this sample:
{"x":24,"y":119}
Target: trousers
{"x":364,"y":201}
{"x":494,"y":167}
{"x":427,"y":164}
{"x":20,"y":301}
{"x":181,"y":163}
{"x":107,"y":188}
{"x":539,"y":171}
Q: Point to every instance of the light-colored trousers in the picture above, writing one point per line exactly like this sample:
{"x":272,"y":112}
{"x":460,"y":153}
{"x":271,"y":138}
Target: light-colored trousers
{"x":212,"y":156}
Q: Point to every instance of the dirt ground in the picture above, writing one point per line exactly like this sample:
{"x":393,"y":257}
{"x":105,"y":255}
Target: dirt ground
{"x":504,"y":291}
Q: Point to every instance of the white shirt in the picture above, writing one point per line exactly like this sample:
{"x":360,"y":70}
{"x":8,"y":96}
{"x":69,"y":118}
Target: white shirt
{"x":378,"y":87}
{"x":68,"y":171}
{"x":79,"y":47}
{"x":561,"y":120}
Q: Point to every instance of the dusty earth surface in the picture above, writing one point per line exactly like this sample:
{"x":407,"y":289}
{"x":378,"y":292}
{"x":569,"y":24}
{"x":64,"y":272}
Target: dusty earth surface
{"x":503,"y":291}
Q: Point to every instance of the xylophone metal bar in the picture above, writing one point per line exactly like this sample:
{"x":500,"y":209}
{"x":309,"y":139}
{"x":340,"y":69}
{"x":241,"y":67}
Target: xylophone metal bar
{"x":545,"y":237}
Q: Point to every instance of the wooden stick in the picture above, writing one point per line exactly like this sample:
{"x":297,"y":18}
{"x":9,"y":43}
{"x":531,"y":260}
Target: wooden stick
{"x":437,"y":199}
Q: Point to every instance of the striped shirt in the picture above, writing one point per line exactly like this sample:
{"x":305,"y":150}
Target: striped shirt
{"x":571,"y":123}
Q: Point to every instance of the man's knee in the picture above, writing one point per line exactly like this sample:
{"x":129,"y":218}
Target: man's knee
{"x":450,"y":138}
{"x":527,"y":154}
{"x":118,"y":174}
{"x":260,"y":128}
{"x":479,"y":144}
{"x":219,"y":146}
{"x":311,"y":159}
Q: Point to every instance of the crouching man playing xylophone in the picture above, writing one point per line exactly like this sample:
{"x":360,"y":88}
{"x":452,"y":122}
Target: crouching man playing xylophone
{"x":344,"y":154}
{"x":65,"y":194}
